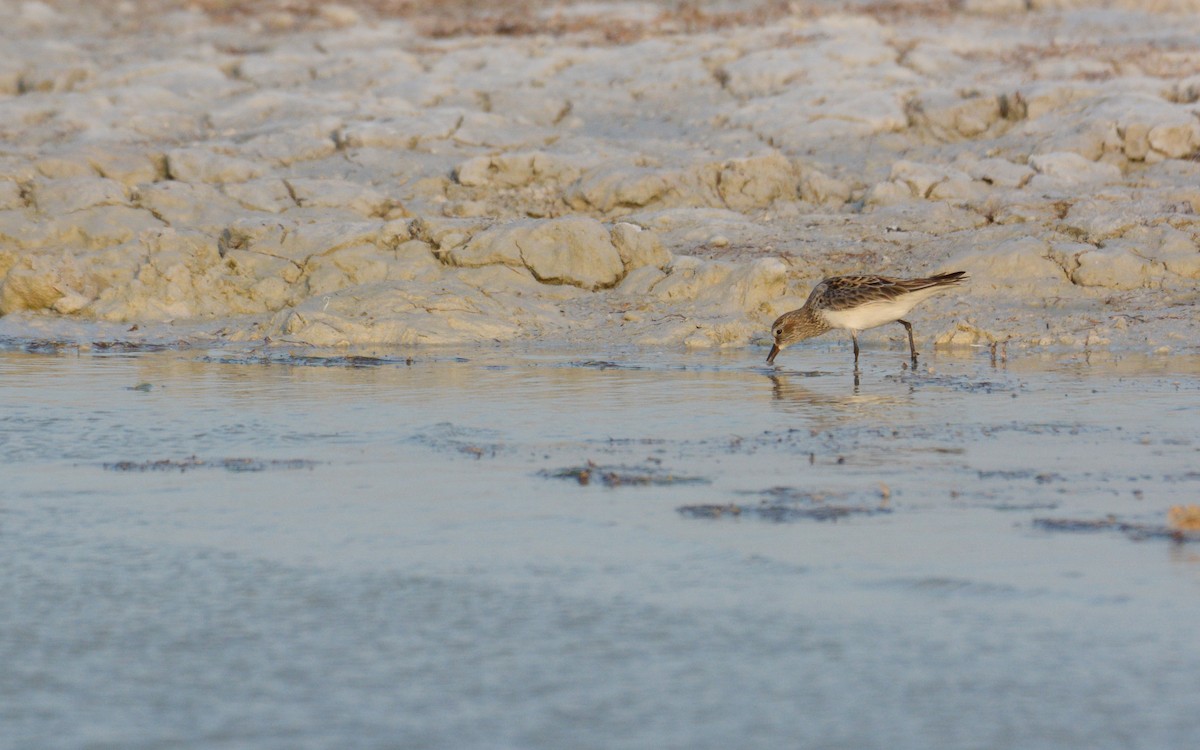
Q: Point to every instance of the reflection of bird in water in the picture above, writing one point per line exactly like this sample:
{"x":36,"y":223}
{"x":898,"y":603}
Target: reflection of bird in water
{"x":856,"y":303}
{"x":795,"y":397}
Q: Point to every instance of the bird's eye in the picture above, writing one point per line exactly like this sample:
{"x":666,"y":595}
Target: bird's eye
{"x":778,"y":331}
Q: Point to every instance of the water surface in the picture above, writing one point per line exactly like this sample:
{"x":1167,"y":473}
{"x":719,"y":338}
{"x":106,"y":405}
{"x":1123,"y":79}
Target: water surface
{"x":220,"y":549}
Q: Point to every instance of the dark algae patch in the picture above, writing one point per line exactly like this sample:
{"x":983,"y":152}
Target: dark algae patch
{"x":228,"y":464}
{"x":1137,"y":531}
{"x":621,"y":476}
{"x":788,"y":504}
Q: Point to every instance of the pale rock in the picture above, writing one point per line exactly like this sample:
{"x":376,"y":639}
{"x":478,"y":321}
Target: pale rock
{"x":64,"y":166}
{"x":514,"y":169}
{"x":1176,"y":140}
{"x":1020,"y":266}
{"x":188,"y":79}
{"x":572,"y":250}
{"x":1067,"y":254}
{"x":1100,"y":218}
{"x":535,"y":105}
{"x":264,"y":112}
{"x":966,"y":333}
{"x":278,"y":70}
{"x":490,"y":130}
{"x":348,"y":266}
{"x":765,"y":72}
{"x":922,"y":179}
{"x":1059,"y":68}
{"x":269,"y":194}
{"x":996,"y":7}
{"x":797,"y":118}
{"x":1116,"y":266}
{"x":450,"y":312}
{"x":10,"y":195}
{"x":58,"y":197}
{"x":949,"y":116}
{"x":1020,"y":207}
{"x":1187,"y":90}
{"x":292,"y":146}
{"x":751,"y":287}
{"x":494,"y":245}
{"x":957,"y":189}
{"x":756,"y":182}
{"x":1068,"y":168}
{"x":408,"y":133}
{"x":888,"y":193}
{"x":413,"y":260}
{"x":70,"y":303}
{"x":338,"y":15}
{"x":639,"y":247}
{"x":208,"y":166}
{"x":1136,"y":137}
{"x":184,"y":204}
{"x":1081,"y":133}
{"x":998,"y":172}
{"x":1177,"y":251}
{"x":445,"y":234}
{"x":130,"y":168}
{"x":34,"y":285}
{"x":933,"y":59}
{"x":335,"y":193}
{"x":609,"y":189}
{"x":818,"y":187}
{"x":18,"y":231}
{"x":102,"y":226}
{"x":640,"y":282}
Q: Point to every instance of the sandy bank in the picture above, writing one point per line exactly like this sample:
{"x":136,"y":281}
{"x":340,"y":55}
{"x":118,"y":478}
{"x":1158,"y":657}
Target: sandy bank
{"x":346,"y":177}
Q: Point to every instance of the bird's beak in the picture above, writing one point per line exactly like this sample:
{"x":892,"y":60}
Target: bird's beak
{"x":774,"y":351}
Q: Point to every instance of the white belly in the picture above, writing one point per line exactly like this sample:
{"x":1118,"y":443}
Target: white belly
{"x":872,"y":315}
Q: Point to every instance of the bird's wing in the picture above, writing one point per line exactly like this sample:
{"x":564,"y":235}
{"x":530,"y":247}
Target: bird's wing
{"x":845,"y":292}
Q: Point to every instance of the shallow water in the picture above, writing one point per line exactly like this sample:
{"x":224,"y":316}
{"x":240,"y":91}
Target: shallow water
{"x":228,"y":550}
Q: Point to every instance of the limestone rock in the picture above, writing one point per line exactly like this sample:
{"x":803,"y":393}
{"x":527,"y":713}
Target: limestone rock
{"x":207,"y":166}
{"x":514,"y":169}
{"x":639,"y":247}
{"x":818,"y":187}
{"x":269,"y":194}
{"x":1019,"y":266}
{"x":10,"y":195}
{"x":949,"y":116}
{"x":572,"y":250}
{"x":613,"y":188}
{"x":58,"y":197}
{"x":1115,"y":266}
{"x":1067,"y":168}
{"x":998,"y":172}
{"x":333,"y":193}
{"x":756,"y":182}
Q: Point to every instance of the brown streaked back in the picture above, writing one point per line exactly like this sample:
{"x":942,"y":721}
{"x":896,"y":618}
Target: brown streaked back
{"x":845,"y":292}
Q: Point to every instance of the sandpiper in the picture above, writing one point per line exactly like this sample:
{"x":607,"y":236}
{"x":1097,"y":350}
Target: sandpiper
{"x":856,"y":303}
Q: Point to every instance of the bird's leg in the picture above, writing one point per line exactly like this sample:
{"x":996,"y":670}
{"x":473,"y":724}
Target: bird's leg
{"x":854,"y":338}
{"x":912,"y":348}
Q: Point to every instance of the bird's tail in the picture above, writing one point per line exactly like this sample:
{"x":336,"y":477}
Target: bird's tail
{"x":946,"y":279}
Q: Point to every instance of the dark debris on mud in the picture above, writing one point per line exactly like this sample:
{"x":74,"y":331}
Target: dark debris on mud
{"x":307,"y":360}
{"x":228,"y":464}
{"x":788,"y":504}
{"x":1136,"y":531}
{"x":471,"y":442}
{"x":621,"y":476}
{"x":601,"y":364}
{"x":60,"y":346}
